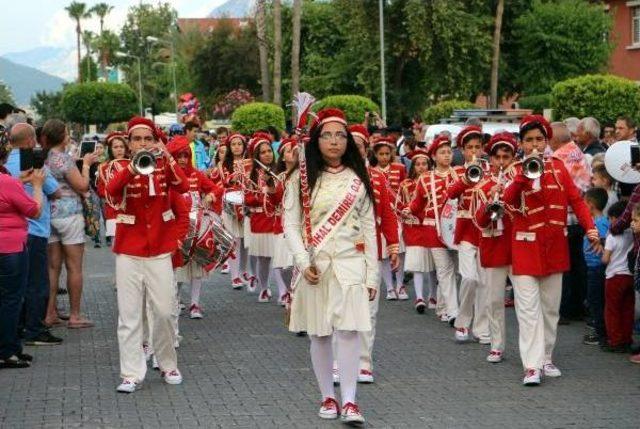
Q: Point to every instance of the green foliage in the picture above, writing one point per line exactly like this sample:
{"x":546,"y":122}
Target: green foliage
{"x":353,"y":106}
{"x":98,"y":103}
{"x":5,"y":95}
{"x":88,"y":70}
{"x":537,"y":103}
{"x":251,"y":117}
{"x":444,"y":109}
{"x":558,"y":40}
{"x":48,"y":105}
{"x":604,"y":97}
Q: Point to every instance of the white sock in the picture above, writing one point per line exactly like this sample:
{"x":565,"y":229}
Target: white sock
{"x":279,"y":277}
{"x":196,"y":287}
{"x":418,"y":280}
{"x":234,"y":263}
{"x":400,"y":272}
{"x":244,"y":257}
{"x":322,"y":361}
{"x":348,"y":363}
{"x":253,"y":265}
{"x":263,"y":266}
{"x":385,"y":273}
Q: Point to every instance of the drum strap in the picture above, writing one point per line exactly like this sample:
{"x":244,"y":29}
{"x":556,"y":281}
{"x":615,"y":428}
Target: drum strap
{"x":435,"y":201}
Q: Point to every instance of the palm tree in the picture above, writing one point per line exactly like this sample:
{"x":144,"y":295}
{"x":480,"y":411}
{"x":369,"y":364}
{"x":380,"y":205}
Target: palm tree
{"x":295,"y":50}
{"x":107,"y":44}
{"x":102,"y":10}
{"x":277,"y":52}
{"x":78,"y":11}
{"x":262,"y":45}
{"x":87,"y":39}
{"x":495,"y":63}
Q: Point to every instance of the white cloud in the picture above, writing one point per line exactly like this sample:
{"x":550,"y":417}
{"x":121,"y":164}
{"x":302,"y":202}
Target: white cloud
{"x":60,"y":30}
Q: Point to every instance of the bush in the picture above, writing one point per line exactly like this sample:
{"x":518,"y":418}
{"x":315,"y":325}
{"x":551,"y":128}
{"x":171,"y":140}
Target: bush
{"x":98,"y":103}
{"x":251,"y":117}
{"x":444,"y":109}
{"x":604,"y":97}
{"x":353,"y":106}
{"x":537,"y":103}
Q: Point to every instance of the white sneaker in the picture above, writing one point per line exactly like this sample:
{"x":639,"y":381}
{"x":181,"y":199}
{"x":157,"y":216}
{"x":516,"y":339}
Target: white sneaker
{"x":462,"y":335}
{"x":336,"y":376}
{"x":351,"y":414}
{"x":392,"y":295}
{"x":224,"y":269}
{"x":432,"y":303}
{"x":402,"y":293}
{"x":494,"y":356}
{"x":419,"y":305}
{"x":265,"y":296}
{"x":237,"y":283}
{"x":195,"y":311}
{"x":550,"y":370}
{"x":329,"y":409}
{"x":172,"y":377}
{"x":128,"y":386}
{"x":444,"y":317}
{"x":251,"y":286}
{"x":154,"y":363}
{"x":531,"y":377}
{"x":365,"y":376}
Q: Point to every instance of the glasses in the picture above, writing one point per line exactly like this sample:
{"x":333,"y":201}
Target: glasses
{"x":339,"y":136}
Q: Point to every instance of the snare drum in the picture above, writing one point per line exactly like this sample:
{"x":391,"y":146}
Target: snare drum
{"x":208,"y":243}
{"x":233,"y":202}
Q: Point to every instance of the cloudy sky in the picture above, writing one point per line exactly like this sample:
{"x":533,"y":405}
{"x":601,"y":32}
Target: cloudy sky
{"x":27,"y":24}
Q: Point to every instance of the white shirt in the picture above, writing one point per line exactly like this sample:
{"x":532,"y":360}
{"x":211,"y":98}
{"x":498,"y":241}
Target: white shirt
{"x":619,"y":246}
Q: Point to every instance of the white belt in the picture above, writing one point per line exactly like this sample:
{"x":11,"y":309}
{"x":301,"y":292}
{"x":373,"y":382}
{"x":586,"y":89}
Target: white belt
{"x":428,"y":221}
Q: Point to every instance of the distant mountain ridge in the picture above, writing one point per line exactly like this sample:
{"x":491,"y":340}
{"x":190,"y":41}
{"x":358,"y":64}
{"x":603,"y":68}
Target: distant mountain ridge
{"x":233,"y":9}
{"x":25,"y":81}
{"x":55,"y":61}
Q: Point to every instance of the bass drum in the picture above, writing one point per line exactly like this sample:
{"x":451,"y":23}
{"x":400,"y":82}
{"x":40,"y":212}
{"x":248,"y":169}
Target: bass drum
{"x":617,"y":161}
{"x":208,"y":243}
{"x":448,"y":223}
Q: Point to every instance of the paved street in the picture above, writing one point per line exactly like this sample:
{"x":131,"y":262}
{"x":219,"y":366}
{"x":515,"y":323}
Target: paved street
{"x":243,"y":369}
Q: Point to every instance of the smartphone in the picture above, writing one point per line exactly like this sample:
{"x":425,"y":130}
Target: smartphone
{"x":31,"y":158}
{"x":635,"y":154}
{"x":87,"y":147}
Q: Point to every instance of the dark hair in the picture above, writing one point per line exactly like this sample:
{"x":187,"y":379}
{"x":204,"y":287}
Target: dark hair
{"x":532,"y":126}
{"x":617,"y":209}
{"x":256,"y":155}
{"x":6,"y":109}
{"x":601,"y":170}
{"x":351,"y":159}
{"x":53,"y":133}
{"x":598,"y":197}
{"x":110,"y":149}
{"x":216,"y":158}
{"x":222,"y":130}
{"x":190,"y":125}
{"x":628,"y":120}
{"x":228,"y":157}
{"x":274,"y":133}
{"x":412,"y":170}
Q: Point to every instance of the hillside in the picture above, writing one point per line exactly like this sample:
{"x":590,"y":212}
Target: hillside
{"x":26,"y":81}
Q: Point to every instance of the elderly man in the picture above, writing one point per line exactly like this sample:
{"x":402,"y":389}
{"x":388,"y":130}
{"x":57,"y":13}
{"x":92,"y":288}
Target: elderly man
{"x":588,"y":136}
{"x":625,"y":129}
{"x":23,"y":136}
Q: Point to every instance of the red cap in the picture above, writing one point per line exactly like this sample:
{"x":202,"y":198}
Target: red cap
{"x":284,"y":143}
{"x":471,"y":130}
{"x":437,"y":143}
{"x":115,"y":135}
{"x":139,"y":122}
{"x":540,"y":120}
{"x":502,"y":138}
{"x":360,"y":131}
{"x":177,"y":145}
{"x":227,"y":141}
{"x":256,"y":139}
{"x":387,"y":141}
{"x":330,"y":114}
{"x":417,"y":153}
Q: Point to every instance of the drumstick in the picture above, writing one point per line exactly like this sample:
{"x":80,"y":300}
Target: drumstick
{"x":267,"y":170}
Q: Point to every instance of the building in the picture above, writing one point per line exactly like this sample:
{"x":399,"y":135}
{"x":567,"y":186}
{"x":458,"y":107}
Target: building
{"x":207,"y":25}
{"x":625,"y":58}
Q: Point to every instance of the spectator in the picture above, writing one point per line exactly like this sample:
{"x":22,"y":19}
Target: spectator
{"x":5,"y":110}
{"x":275,"y":140}
{"x":602,"y":179}
{"x":619,"y":295}
{"x":588,"y":134}
{"x":608,"y":135}
{"x":596,"y":199}
{"x":23,"y":136}
{"x":15,"y":207}
{"x":572,"y":126}
{"x":635,"y":228}
{"x":200,"y":160}
{"x":626,"y":129}
{"x":66,"y":243}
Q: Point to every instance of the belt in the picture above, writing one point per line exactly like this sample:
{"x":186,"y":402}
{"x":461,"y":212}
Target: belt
{"x":428,"y":221}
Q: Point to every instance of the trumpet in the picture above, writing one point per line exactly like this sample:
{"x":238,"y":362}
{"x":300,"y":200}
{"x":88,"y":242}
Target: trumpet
{"x":144,"y":162}
{"x":496,"y":208}
{"x":475,"y":170}
{"x":533,"y":166}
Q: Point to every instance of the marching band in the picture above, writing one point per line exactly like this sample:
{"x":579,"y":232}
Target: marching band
{"x":326,"y":227}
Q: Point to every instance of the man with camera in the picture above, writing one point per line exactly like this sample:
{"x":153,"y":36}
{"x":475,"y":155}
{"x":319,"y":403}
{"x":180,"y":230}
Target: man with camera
{"x":24,"y":158}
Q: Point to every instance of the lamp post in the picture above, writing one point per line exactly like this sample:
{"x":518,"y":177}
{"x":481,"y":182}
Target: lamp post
{"x":169,"y":42}
{"x":383,"y":96}
{"x":125,"y":55}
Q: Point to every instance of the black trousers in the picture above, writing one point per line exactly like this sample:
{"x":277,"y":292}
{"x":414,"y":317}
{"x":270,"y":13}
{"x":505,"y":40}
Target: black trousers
{"x":574,"y":281}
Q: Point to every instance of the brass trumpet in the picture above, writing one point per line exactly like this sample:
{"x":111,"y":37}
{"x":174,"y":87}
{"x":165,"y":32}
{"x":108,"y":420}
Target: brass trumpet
{"x":144,"y":162}
{"x":475,"y":170}
{"x":533,"y":166}
{"x":496,"y":208}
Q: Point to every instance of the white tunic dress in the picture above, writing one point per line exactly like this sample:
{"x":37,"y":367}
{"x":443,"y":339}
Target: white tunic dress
{"x":340,"y":301}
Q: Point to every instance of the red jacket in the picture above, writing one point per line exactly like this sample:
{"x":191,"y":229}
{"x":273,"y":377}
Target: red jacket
{"x":495,"y":243}
{"x":386,"y":220}
{"x":464,"y":193}
{"x":413,"y":232}
{"x":539,"y":236}
{"x":395,"y":173}
{"x":106,"y":171}
{"x":200,"y":183}
{"x":144,"y":225}
{"x":181,"y":210}
{"x":262,"y":208}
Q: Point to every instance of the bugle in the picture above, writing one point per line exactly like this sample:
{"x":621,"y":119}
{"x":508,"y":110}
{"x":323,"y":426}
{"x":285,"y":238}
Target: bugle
{"x":144,"y":161}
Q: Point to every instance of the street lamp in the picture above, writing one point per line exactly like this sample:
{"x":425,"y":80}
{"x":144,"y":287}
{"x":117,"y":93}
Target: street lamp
{"x":125,"y":55}
{"x":383,"y":97}
{"x":169,"y":42}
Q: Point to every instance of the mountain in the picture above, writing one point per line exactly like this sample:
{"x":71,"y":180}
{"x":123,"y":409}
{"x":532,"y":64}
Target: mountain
{"x":59,"y":62}
{"x":233,"y":9}
{"x":26,"y":81}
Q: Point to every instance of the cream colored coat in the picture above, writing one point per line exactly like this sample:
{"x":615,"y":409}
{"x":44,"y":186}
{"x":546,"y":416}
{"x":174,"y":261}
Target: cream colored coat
{"x":341,"y":300}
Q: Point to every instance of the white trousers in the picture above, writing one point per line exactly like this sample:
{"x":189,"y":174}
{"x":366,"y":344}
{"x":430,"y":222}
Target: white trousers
{"x":473,"y":296}
{"x":138,"y":279}
{"x":367,"y":338}
{"x":445,"y":272}
{"x":537,"y":301}
{"x":496,"y":279}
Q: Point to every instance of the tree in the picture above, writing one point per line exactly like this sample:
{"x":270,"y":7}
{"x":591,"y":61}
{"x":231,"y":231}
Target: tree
{"x":5,"y":94}
{"x":106,"y":44}
{"x":87,"y":39}
{"x":295,"y":49}
{"x":252,"y":117}
{"x":78,"y":11}
{"x":263,"y":49}
{"x":98,"y":103}
{"x":495,"y":62}
{"x":559,"y":40}
{"x":89,"y":69}
{"x":48,"y":105}
{"x":101,"y":10}
{"x":277,"y":52}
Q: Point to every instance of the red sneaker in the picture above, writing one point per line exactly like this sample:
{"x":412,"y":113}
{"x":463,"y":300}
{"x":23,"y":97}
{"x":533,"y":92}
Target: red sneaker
{"x":365,"y":376}
{"x":419,"y":305}
{"x":351,"y":414}
{"x":329,"y":409}
{"x":237,"y":283}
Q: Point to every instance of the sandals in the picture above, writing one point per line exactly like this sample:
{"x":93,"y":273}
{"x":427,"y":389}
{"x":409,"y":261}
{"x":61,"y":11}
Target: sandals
{"x":14,"y":362}
{"x":57,"y":322}
{"x":80,"y":324}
